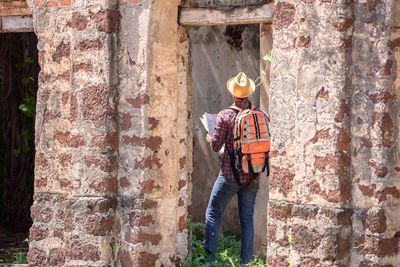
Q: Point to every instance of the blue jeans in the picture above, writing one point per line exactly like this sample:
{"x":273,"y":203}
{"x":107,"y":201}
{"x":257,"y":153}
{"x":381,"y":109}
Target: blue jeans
{"x":223,"y":191}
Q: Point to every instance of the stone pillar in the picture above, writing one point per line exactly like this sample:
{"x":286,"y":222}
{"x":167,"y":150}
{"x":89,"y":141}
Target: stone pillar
{"x":375,"y":152}
{"x":155,"y":152}
{"x":76,"y":134}
{"x":333,"y":107}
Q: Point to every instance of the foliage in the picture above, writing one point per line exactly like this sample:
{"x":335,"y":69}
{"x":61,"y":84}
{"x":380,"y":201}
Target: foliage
{"x":267,"y":57}
{"x":196,"y":28}
{"x":228,"y":253}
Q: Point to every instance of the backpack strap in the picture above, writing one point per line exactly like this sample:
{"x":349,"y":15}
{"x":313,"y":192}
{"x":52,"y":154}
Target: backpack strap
{"x":266,"y":163}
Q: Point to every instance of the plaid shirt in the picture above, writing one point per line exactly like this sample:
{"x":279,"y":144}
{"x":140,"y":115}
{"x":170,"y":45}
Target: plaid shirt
{"x":223,"y":134}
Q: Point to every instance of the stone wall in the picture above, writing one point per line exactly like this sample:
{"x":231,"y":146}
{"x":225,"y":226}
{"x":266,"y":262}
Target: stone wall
{"x":155,"y":134}
{"x":335,"y":134}
{"x":76,"y":165}
{"x":112,"y":158}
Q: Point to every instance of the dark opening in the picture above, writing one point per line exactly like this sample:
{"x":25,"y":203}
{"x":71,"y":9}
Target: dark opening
{"x":18,"y":86}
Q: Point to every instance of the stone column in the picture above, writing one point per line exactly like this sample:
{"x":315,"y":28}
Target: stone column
{"x":334,"y":104}
{"x":375,"y":152}
{"x":155,"y":134}
{"x":76,"y":134}
{"x":309,"y":211}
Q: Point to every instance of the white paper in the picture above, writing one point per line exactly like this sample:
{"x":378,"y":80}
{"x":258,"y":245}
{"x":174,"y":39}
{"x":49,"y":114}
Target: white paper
{"x":208,"y":121}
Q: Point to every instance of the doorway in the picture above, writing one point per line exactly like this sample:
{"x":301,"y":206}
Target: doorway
{"x":217,"y":54}
{"x":18,"y":86}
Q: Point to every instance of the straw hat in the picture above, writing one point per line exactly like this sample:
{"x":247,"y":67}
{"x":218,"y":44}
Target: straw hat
{"x":241,"y":86}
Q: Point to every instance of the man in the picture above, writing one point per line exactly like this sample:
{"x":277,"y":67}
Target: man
{"x":225,"y":187}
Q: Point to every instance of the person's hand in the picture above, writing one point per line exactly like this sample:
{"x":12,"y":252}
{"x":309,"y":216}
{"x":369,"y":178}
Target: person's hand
{"x":208,"y":138}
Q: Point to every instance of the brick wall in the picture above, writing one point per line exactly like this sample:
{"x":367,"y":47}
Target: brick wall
{"x":14,"y":8}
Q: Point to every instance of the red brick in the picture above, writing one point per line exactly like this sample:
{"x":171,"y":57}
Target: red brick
{"x":343,"y":111}
{"x":104,"y":141}
{"x":304,"y":41}
{"x":281,"y":180}
{"x":107,"y":20}
{"x":57,"y":257}
{"x":126,"y":123}
{"x":87,"y":45}
{"x":124,"y":182}
{"x":138,"y":219}
{"x":85,"y":66}
{"x":64,"y":159}
{"x":40,"y":160}
{"x":147,"y":187}
{"x":304,"y":211}
{"x":152,"y":142}
{"x":182,"y":162}
{"x":40,"y":182}
{"x":374,"y":221}
{"x":283,"y":15}
{"x":279,"y":211}
{"x":377,"y":245}
{"x":382,"y":97}
{"x":182,"y":223}
{"x":277,"y":261}
{"x":181,"y":184}
{"x":305,"y":240}
{"x":343,"y":26}
{"x":41,"y":215}
{"x":150,"y":162}
{"x":343,"y":140}
{"x":85,"y":252}
{"x":107,"y":185}
{"x":48,"y":116}
{"x":36,"y":257}
{"x":321,"y":135}
{"x":95,"y":104}
{"x":383,"y":120}
{"x":98,"y":225}
{"x":65,"y":2}
{"x":139,"y":101}
{"x":62,"y":50}
{"x":138,"y":258}
{"x":36,"y":233}
{"x":139,"y":237}
{"x":51,"y":3}
{"x":153,"y":123}
{"x":67,"y":139}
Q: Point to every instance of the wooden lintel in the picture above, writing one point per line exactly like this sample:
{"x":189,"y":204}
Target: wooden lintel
{"x":190,"y":16}
{"x":16,"y":23}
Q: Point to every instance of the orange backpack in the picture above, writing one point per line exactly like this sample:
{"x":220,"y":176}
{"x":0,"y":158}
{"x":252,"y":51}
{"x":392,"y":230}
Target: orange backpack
{"x":251,"y":143}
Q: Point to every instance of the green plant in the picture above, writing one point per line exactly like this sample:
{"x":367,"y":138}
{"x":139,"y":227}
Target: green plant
{"x":290,"y":242}
{"x":228,"y":253}
{"x":20,"y":258}
{"x":267,"y":57}
{"x":196,"y":28}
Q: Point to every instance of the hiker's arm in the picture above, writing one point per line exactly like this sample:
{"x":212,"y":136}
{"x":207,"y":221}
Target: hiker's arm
{"x":218,"y":138}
